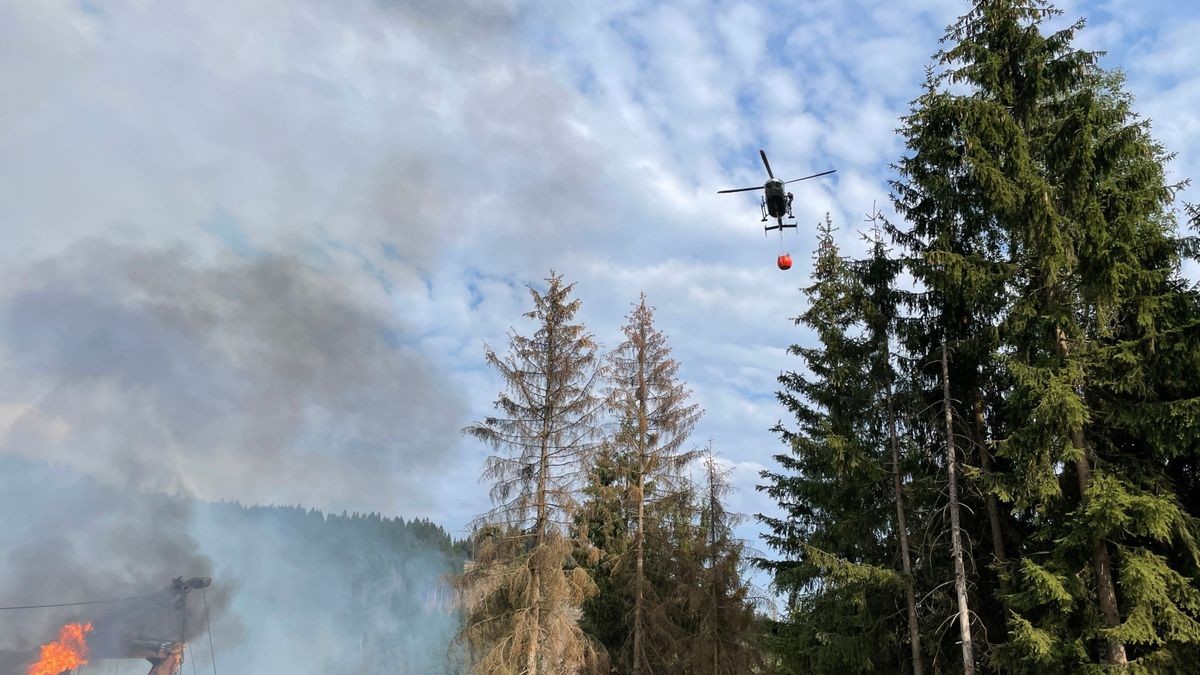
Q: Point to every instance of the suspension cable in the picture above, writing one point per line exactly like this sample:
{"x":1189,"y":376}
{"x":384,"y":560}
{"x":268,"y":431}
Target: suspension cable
{"x":208,"y":629}
{"x":76,"y":604}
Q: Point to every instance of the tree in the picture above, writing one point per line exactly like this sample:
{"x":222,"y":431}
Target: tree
{"x":523,"y":589}
{"x":604,"y":524}
{"x":1047,"y":363}
{"x":835,"y":538}
{"x":879,"y":303}
{"x":1032,"y":188}
{"x":1101,"y":305}
{"x":718,"y":603}
{"x":653,"y":418}
{"x":956,"y":548}
{"x":954,"y":250}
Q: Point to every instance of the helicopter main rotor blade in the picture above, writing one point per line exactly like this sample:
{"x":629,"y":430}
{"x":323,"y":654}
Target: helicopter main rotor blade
{"x":721,"y":192}
{"x":766,"y":163}
{"x":815,"y":175}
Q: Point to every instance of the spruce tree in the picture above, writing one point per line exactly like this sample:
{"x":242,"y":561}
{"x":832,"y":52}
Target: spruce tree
{"x":720,"y":610}
{"x":523,"y":589}
{"x":1102,"y":304}
{"x":879,"y":304}
{"x":835,"y":539}
{"x":604,"y":525}
{"x":956,"y":547}
{"x":1027,"y":156}
{"x":954,"y":252}
{"x":653,"y":416}
{"x":1049,"y":349}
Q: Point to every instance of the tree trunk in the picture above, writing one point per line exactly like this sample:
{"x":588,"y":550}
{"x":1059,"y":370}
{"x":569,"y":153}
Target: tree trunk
{"x":914,"y":633}
{"x":531,"y":654}
{"x":637,"y":601}
{"x":960,"y":574}
{"x":535,"y":603}
{"x":985,"y":468}
{"x":713,"y":506}
{"x":642,"y":442}
{"x":535,"y":600}
{"x":1106,"y":592}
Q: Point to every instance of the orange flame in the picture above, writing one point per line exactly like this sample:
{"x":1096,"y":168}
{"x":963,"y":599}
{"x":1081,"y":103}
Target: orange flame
{"x":68,"y":651}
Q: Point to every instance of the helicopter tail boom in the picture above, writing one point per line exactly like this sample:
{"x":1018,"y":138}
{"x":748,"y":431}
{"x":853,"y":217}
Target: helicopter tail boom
{"x":767,"y":164}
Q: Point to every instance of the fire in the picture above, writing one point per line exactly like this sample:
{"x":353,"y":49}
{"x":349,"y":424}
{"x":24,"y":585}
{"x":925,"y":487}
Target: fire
{"x":67,"y":652}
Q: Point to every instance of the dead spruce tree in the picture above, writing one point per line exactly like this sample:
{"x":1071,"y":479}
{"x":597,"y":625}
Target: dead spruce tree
{"x":522,"y":590}
{"x":956,"y":548}
{"x":653,"y":417}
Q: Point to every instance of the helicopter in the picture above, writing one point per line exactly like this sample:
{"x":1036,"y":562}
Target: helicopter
{"x":776,"y":202}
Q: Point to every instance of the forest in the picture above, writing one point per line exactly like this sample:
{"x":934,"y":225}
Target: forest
{"x":989,"y":437}
{"x":293,"y":589}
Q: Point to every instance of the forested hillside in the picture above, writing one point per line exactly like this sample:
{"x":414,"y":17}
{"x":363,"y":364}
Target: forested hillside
{"x":294,"y":589}
{"x":371,"y":591}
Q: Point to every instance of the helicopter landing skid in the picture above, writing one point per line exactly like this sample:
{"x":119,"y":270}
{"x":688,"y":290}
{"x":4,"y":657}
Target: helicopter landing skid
{"x":783,"y":226}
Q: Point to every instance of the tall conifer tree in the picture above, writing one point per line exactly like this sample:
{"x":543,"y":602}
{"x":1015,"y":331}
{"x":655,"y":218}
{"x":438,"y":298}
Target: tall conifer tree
{"x":879,"y":302}
{"x":1037,"y":227}
{"x":954,"y":252}
{"x":653,"y":416}
{"x":720,"y":610}
{"x":604,"y":524}
{"x":523,"y":590}
{"x":1021,"y":133}
{"x":1101,"y":304}
{"x":835,"y":540}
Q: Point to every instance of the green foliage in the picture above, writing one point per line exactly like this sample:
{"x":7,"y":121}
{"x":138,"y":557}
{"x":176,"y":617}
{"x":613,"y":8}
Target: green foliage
{"x":1042,"y":585}
{"x":716,"y":608}
{"x":1038,"y":229}
{"x":836,"y":543}
{"x":1039,"y":648}
{"x":1113,"y":507}
{"x":1163,"y":602}
{"x":603,"y":523}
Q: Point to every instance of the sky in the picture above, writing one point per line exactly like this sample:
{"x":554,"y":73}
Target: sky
{"x":253,"y":250}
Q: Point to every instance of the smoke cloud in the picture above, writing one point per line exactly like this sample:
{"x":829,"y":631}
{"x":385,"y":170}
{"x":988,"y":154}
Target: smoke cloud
{"x":137,"y":380}
{"x":262,"y":380}
{"x":219,"y":221}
